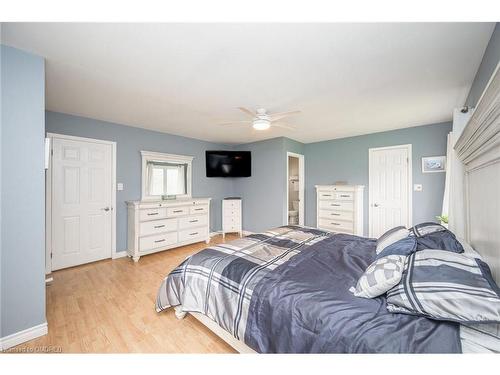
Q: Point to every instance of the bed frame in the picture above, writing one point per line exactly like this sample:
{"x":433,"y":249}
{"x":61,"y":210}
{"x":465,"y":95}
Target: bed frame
{"x":479,"y":150}
{"x":236,"y":344}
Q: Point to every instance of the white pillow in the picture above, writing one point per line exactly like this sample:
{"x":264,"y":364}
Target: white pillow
{"x":391,"y":236}
{"x":380,"y":276}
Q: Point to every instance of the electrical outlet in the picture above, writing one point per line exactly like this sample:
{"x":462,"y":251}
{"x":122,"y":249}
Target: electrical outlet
{"x":417,"y":187}
{"x":119,"y":186}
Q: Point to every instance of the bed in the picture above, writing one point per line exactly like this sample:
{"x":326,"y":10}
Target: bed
{"x":289,"y":290}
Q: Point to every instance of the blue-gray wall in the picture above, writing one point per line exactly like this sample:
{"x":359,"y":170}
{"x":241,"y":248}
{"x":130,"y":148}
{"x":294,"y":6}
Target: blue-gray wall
{"x":486,"y":69}
{"x":262,"y":193}
{"x":22,"y":191}
{"x":129,"y":142}
{"x":346,"y":159}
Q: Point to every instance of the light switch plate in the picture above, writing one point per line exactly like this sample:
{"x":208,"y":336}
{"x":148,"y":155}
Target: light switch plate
{"x":417,"y":187}
{"x":119,"y":186}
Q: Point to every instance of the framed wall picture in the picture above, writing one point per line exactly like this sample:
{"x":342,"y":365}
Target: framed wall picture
{"x":433,"y":164}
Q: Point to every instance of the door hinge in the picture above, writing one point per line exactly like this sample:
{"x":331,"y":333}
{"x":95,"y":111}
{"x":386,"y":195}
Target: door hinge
{"x":407,"y":160}
{"x":52,"y":152}
{"x":50,"y":255}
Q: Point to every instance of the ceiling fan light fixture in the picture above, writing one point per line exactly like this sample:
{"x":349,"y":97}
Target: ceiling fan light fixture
{"x":261,"y":124}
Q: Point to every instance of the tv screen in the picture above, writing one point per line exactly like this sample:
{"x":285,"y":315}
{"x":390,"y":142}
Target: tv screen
{"x":228,"y":163}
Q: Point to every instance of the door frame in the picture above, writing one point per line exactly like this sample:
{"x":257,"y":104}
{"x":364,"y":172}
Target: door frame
{"x":408,"y":147}
{"x":302,"y":213}
{"x":48,"y":196}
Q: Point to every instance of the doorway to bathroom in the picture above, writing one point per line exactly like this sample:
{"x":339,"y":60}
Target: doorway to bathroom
{"x":295,"y":189}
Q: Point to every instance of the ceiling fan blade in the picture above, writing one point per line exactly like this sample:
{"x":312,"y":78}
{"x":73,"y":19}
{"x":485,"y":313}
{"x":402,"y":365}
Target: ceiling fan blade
{"x":236,"y":123}
{"x":283,"y":126}
{"x":279,"y":116}
{"x":247,"y":111}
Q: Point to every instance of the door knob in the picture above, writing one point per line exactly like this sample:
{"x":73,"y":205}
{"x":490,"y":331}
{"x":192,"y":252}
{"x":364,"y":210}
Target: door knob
{"x":375,"y":205}
{"x":105,"y":209}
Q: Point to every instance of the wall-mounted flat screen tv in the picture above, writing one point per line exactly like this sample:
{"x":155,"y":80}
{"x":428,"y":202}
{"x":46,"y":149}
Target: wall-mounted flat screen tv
{"x":228,"y":163}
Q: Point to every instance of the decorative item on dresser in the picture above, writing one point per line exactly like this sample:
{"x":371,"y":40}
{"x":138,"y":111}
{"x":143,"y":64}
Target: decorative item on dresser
{"x":231,"y":216}
{"x":160,"y":225}
{"x":339,"y":208}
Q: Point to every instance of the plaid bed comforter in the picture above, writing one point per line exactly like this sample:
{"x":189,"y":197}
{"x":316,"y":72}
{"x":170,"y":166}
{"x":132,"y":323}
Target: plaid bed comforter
{"x":219,"y":281}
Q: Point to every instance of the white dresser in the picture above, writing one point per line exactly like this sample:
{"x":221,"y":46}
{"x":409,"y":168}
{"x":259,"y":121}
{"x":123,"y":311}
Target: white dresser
{"x":339,"y":208}
{"x":159,"y":225}
{"x":231,"y":216}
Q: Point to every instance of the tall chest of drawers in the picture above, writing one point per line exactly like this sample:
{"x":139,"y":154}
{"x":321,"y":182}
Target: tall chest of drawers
{"x":231,"y":216}
{"x":161,"y":225}
{"x":339,"y":208}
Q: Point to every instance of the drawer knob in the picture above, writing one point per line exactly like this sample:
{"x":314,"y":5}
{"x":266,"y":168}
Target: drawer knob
{"x":193,"y":221}
{"x":193,"y":234}
{"x":159,"y":226}
{"x":162,"y":240}
{"x":153,"y":213}
{"x":177,"y":211}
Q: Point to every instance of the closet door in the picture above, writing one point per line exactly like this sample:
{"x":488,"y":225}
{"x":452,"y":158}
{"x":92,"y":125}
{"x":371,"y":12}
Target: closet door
{"x":389,"y":190}
{"x":81,"y":202}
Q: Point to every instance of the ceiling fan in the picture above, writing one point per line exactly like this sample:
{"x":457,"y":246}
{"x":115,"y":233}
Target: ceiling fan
{"x":261,"y":120}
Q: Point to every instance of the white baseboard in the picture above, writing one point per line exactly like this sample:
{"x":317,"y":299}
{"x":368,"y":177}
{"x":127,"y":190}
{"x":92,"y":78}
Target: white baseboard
{"x":23,"y":336}
{"x":119,"y":254}
{"x":247,"y":232}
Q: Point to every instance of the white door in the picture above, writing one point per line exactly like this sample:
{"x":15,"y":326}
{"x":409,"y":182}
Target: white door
{"x":82,"y":188}
{"x":389,"y":188}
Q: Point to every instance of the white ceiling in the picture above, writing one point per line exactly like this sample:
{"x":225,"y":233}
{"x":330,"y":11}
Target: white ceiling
{"x":347,"y":79}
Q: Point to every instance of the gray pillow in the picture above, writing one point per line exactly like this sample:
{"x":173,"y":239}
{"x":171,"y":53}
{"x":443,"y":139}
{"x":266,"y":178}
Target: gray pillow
{"x":444,"y":285}
{"x":380,"y":276}
{"x":393,"y":235}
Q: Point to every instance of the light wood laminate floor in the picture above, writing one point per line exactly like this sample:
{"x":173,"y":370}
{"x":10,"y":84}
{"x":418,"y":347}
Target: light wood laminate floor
{"x":108,"y":307}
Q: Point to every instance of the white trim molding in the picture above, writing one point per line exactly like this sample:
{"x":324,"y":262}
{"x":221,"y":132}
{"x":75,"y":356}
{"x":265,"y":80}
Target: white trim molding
{"x":48,"y":195}
{"x":302,"y":207}
{"x":119,"y":254}
{"x":28,"y":334}
{"x":148,"y":156}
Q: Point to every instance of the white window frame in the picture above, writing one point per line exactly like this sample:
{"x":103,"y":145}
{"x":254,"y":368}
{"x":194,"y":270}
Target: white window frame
{"x":148,"y":156}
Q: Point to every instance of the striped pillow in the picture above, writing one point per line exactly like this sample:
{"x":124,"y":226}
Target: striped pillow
{"x":380,"y":276}
{"x":444,"y":285}
{"x":435,"y":236}
{"x":391,"y":236}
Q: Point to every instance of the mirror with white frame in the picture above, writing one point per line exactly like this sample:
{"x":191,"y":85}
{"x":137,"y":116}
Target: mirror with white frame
{"x":165,"y":174}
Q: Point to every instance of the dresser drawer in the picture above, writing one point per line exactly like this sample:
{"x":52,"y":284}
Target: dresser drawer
{"x":336,"y":225}
{"x":344,"y":196}
{"x":158,"y":241}
{"x":337,"y":195}
{"x":157,"y":226}
{"x":198,"y":209}
{"x":233,"y":204}
{"x":192,"y":221}
{"x":336,"y":215}
{"x":177,"y":211}
{"x":153,"y":214}
{"x":232,"y":222}
{"x":192,"y":234}
{"x":326,"y":195}
{"x":336,"y":205}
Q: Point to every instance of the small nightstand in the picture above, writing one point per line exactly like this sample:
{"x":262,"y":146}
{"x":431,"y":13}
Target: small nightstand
{"x":231,"y":216}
